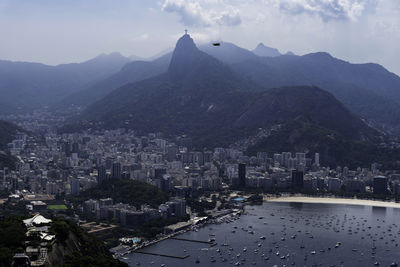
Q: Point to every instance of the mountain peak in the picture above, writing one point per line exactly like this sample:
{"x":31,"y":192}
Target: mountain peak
{"x":185,"y":44}
{"x":260,"y":45}
{"x":266,"y":51}
{"x":185,"y":55}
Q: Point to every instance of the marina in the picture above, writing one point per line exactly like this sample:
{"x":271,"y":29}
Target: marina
{"x":291,"y":234}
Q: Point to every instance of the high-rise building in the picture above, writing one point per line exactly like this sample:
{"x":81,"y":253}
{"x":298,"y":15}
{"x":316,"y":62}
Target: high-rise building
{"x":301,"y":158}
{"x":116,"y":170}
{"x":297,"y":179}
{"x":285,"y":158}
{"x":292,"y":162}
{"x":316,"y":159}
{"x":207,"y":156}
{"x":242,"y":174}
{"x":75,"y":147}
{"x":334,"y":185}
{"x":75,"y":187}
{"x":380,"y":185}
{"x":66,"y":148}
{"x":101,"y":174}
{"x":172,"y":151}
{"x":51,"y":188}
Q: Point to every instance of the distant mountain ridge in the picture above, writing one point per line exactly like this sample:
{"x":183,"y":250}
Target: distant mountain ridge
{"x":129,"y":73}
{"x":25,"y":85}
{"x":266,"y":51}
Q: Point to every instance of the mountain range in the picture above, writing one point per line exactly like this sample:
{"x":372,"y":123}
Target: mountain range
{"x":25,"y":85}
{"x":368,"y":90}
{"x":203,"y":97}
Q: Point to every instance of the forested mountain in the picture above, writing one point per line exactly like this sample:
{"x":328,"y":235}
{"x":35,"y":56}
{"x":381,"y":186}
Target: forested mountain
{"x":202,"y":97}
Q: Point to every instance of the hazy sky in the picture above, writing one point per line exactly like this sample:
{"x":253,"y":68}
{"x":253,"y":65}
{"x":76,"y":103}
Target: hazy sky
{"x":61,"y":31}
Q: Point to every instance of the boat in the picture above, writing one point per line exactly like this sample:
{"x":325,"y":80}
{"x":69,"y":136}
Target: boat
{"x":197,"y":260}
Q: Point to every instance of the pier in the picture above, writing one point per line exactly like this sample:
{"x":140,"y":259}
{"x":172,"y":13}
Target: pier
{"x":161,"y":255}
{"x":193,"y":240}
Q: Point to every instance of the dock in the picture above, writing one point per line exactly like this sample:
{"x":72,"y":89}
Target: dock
{"x":193,"y":240}
{"x":161,"y":255}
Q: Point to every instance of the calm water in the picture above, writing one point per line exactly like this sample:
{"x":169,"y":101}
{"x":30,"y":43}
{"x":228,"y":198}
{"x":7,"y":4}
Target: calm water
{"x":287,"y":227}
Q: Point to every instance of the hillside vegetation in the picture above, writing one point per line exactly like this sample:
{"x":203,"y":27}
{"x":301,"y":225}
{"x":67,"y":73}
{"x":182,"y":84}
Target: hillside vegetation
{"x":126,"y":191}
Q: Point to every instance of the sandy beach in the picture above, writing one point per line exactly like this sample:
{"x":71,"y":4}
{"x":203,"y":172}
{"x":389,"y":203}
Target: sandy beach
{"x":331,"y":200}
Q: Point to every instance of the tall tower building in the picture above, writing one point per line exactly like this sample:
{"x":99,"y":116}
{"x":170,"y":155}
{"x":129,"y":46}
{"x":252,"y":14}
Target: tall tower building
{"x":101,"y":174}
{"x":116,"y":170}
{"x":242,"y":174}
{"x":316,"y":160}
{"x":297,"y":179}
{"x":75,"y":187}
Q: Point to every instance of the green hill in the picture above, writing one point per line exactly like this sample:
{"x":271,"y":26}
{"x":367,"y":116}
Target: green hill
{"x":126,"y":191}
{"x":302,"y":135}
{"x":7,"y":134}
{"x":72,"y":247}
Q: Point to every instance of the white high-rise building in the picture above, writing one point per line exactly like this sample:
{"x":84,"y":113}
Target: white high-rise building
{"x":316,"y":160}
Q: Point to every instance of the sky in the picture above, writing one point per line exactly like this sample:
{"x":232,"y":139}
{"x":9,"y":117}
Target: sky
{"x":64,"y":31}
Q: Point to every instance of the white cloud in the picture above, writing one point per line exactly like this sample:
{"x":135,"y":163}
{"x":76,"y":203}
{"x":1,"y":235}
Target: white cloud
{"x":328,"y":9}
{"x":204,"y":13}
{"x":229,"y":18}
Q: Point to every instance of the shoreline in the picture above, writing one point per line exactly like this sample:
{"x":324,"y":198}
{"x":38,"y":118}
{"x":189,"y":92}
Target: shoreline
{"x":333,"y":200}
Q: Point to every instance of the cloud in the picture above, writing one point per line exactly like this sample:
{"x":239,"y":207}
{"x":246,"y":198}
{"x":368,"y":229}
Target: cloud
{"x":328,"y":9}
{"x":203,"y":13}
{"x":229,"y":18}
